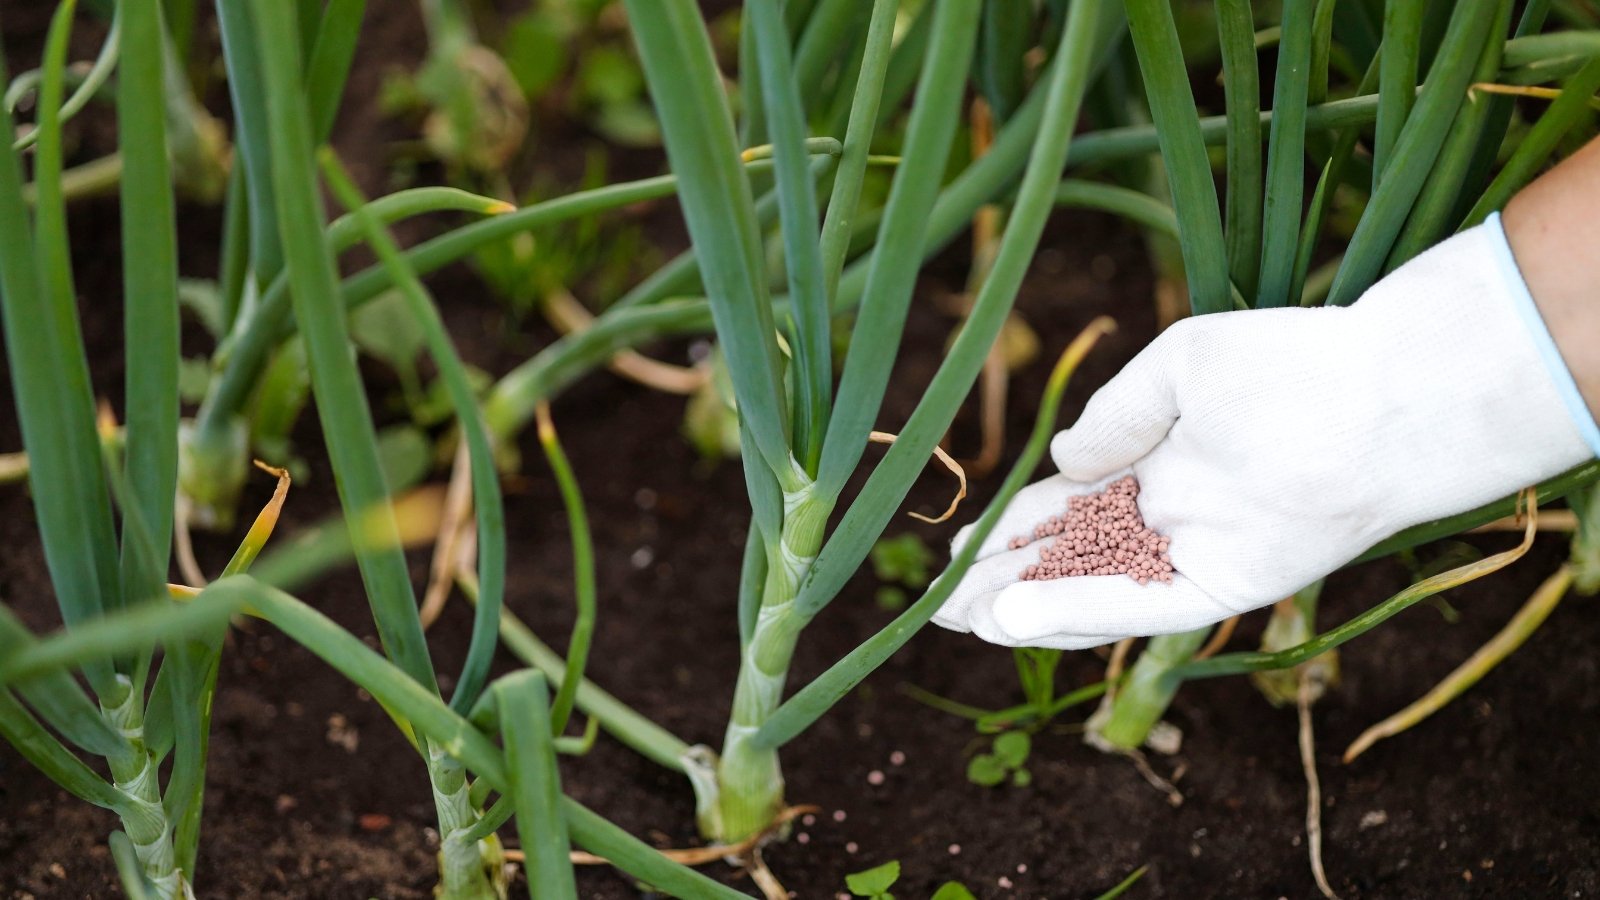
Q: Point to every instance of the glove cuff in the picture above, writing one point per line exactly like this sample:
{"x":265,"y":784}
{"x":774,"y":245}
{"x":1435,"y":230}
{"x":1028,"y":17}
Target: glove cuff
{"x":1528,"y":312}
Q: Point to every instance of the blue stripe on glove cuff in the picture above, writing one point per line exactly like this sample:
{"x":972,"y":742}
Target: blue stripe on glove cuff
{"x":1529,"y":312}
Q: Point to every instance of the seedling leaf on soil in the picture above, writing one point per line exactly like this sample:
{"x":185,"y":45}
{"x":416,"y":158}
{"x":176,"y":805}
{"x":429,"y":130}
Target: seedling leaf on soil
{"x":901,"y":562}
{"x":874,"y":882}
{"x":953,"y":890}
{"x":1006,"y":760}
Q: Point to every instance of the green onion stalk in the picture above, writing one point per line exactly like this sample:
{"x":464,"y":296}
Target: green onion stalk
{"x":740,"y":792}
{"x":471,"y":859}
{"x":749,"y":780}
{"x":136,"y":774}
{"x":469,"y":866}
{"x":1136,"y":707}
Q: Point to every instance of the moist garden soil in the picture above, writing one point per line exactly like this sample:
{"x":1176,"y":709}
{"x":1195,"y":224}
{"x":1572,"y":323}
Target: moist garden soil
{"x":312,"y":792}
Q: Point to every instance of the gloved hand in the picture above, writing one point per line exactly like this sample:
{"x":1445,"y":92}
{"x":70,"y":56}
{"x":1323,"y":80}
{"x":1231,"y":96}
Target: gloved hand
{"x":1273,"y":446}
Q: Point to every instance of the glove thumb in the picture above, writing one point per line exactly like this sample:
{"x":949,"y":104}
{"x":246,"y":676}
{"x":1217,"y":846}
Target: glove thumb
{"x":1124,"y":420}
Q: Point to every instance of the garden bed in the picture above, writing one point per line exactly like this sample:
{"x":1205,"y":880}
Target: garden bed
{"x":1492,"y":797}
{"x":313,"y":793}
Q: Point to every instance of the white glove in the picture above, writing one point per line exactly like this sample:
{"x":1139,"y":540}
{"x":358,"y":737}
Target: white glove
{"x":1273,"y":446}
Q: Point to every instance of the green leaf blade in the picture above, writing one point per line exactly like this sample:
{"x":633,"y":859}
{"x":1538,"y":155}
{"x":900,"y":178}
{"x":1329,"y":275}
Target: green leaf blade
{"x":488,"y":503}
{"x":901,"y":243}
{"x":1242,"y":86}
{"x":1397,"y":78}
{"x":874,"y":881}
{"x":875,"y":59}
{"x":1194,"y":193}
{"x":47,"y":754}
{"x":1420,"y":141}
{"x":1560,"y":117}
{"x":50,"y":375}
{"x":797,"y":204}
{"x":252,"y":131}
{"x":1286,"y":159}
{"x":1431,"y":216}
{"x":150,"y":288}
{"x":524,"y":701}
{"x":583,"y":569}
{"x":329,"y":63}
{"x":718,"y":207}
{"x":341,"y":398}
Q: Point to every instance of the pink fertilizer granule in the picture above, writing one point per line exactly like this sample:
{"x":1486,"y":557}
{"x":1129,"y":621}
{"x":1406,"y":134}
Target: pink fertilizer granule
{"x":1100,"y":534}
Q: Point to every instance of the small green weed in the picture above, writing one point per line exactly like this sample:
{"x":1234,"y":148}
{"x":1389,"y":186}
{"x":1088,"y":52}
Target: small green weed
{"x":902,"y":563}
{"x":874,"y":883}
{"x":1006,"y":760}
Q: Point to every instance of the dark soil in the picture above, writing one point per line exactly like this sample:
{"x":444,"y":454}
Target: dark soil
{"x":313,"y":793}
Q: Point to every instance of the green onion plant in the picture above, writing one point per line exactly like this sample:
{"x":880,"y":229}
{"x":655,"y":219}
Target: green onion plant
{"x":132,"y":710}
{"x":148,"y":650}
{"x":803,"y":436}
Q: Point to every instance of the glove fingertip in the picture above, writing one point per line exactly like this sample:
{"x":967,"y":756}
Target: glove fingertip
{"x":1021,"y":611}
{"x":1033,"y":610}
{"x":981,"y":618}
{"x":1077,"y":457}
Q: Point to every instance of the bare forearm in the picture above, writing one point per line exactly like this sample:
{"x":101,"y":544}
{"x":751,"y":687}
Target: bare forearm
{"x":1553,"y":226}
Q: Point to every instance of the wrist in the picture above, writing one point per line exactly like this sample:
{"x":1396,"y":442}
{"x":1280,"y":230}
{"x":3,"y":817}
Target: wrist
{"x":1555,"y":313}
{"x":1552,"y":232}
